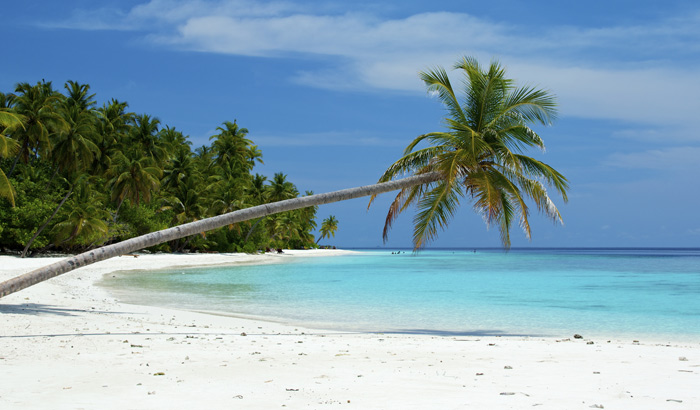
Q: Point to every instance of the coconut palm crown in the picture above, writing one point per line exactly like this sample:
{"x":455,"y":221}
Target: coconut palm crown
{"x":479,"y":157}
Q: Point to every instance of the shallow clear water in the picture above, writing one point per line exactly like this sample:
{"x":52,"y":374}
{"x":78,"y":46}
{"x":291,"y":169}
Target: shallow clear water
{"x":522,"y":292}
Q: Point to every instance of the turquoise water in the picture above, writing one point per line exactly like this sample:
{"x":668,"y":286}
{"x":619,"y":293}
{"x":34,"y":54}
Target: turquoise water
{"x":633,"y":293}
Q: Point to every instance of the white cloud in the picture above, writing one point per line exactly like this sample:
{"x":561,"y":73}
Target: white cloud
{"x":625,"y":73}
{"x":681,"y":133}
{"x":670,"y":159}
{"x":105,"y":18}
{"x":651,"y":96}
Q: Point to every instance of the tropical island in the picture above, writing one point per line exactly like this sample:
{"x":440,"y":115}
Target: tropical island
{"x":107,"y":183}
{"x":478,"y":159}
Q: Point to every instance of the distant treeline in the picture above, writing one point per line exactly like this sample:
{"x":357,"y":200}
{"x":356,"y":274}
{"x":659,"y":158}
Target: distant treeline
{"x":75,"y":175}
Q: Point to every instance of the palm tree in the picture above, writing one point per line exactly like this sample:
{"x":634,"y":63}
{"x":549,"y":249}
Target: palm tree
{"x":279,"y":190}
{"x":39,"y":106}
{"x":133,"y":179}
{"x":8,"y":146}
{"x":174,"y":141}
{"x":181,"y":165}
{"x":307,"y":220}
{"x":71,"y":188}
{"x":257,"y":191}
{"x":83,"y":225}
{"x":75,"y":148}
{"x":186,"y":204}
{"x":113,"y":126}
{"x":233,"y":151}
{"x":145,"y":138}
{"x":258,"y":194}
{"x":478,"y":157}
{"x":284,"y":229}
{"x":329,"y":226}
{"x":78,"y":96}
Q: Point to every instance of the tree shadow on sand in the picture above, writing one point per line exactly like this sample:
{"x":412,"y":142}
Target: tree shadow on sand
{"x":42,"y":309}
{"x":454,"y":333}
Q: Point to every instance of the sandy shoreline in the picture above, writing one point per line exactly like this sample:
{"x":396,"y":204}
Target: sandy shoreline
{"x":67,"y":344}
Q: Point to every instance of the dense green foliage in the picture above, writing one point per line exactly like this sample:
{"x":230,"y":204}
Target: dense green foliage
{"x":74,"y":176}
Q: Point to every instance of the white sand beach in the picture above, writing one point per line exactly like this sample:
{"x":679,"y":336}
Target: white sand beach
{"x":68,"y":344}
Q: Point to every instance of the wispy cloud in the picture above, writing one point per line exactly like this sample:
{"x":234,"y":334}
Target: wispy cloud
{"x":669,"y":159}
{"x":105,"y":18}
{"x":620,"y":72}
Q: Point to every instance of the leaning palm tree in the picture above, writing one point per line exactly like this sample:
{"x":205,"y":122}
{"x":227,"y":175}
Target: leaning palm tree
{"x":479,"y":157}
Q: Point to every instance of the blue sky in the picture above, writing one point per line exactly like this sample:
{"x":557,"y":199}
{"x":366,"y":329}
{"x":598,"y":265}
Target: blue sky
{"x":329,"y":91}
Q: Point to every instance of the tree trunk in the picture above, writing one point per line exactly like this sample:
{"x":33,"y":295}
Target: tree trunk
{"x":252,"y":229}
{"x":53,"y":175}
{"x":25,"y":145}
{"x":154,"y":238}
{"x":185,"y":243}
{"x":121,"y":201}
{"x":55,"y":211}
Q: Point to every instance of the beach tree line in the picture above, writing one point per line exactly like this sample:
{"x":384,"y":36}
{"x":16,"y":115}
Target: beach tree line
{"x":75,"y":176}
{"x":479,"y":158}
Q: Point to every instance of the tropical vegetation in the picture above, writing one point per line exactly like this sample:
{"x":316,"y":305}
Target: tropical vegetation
{"x":478,"y":158}
{"x":75,"y":176}
{"x":329,"y":227}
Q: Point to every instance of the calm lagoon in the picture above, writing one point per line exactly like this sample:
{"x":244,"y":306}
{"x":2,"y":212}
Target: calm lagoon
{"x":634,"y":293}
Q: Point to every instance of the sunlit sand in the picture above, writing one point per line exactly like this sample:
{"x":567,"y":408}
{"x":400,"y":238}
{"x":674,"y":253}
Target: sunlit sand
{"x":67,"y":343}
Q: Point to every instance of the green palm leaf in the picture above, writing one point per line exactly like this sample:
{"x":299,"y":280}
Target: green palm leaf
{"x":480,"y":156}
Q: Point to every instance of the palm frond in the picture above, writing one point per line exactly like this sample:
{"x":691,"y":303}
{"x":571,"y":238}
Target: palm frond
{"x":538,"y":193}
{"x":534,"y":105}
{"x":550,"y":175}
{"x":416,"y":162}
{"x":436,"y":209}
{"x":512,"y":199}
{"x":8,"y":146}
{"x":417,"y":141}
{"x":6,"y":189}
{"x":437,"y":81}
{"x":519,"y":136}
{"x":504,"y":219}
{"x":395,"y":208}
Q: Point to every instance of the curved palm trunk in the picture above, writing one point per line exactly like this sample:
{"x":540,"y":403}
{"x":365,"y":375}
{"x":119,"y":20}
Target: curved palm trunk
{"x":121,"y":201}
{"x":181,"y":231}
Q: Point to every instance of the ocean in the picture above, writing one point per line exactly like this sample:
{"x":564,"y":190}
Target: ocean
{"x":622,"y":293}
